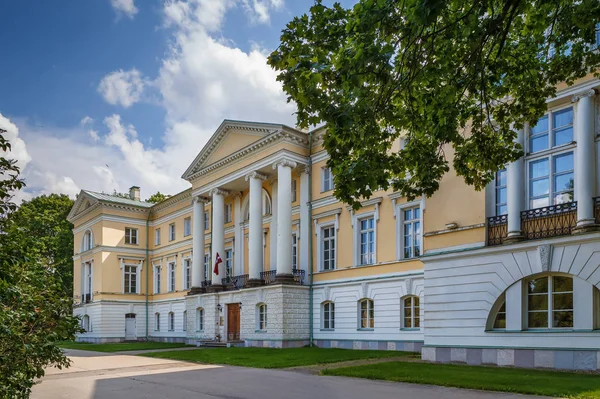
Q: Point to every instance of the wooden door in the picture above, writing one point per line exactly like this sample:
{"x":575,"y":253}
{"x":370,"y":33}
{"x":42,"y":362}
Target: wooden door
{"x":233,"y":322}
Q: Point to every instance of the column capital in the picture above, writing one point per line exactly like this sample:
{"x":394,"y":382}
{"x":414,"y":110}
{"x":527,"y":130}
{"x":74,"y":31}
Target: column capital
{"x":255,"y":175}
{"x":202,"y":200}
{"x":285,"y":162}
{"x":218,"y":191}
{"x":579,"y":96}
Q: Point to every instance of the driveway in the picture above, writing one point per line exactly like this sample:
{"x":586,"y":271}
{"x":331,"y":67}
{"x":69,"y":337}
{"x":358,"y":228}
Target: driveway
{"x":97,"y":375}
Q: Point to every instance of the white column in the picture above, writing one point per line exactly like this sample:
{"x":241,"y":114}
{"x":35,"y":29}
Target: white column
{"x":515,"y":192}
{"x":218,"y":234}
{"x":585,"y":179}
{"x":238,"y":251}
{"x":198,"y":243}
{"x":273,"y":226}
{"x":304,"y":222}
{"x":255,"y":238}
{"x":284,"y":217}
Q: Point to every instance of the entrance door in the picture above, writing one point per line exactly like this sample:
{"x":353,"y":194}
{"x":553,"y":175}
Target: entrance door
{"x":130,"y":333}
{"x":233,"y":322}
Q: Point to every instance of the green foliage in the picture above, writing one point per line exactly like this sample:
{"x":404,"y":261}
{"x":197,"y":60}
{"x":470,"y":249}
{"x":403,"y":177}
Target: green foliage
{"x":35,"y":312}
{"x":157,"y":197}
{"x":452,"y":77}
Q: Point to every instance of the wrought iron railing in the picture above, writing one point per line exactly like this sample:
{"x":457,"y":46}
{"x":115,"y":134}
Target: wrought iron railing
{"x":268,"y":277}
{"x":549,"y":221}
{"x":298,"y":276}
{"x":597,"y":209}
{"x":497,"y":229}
{"x":235,"y":282}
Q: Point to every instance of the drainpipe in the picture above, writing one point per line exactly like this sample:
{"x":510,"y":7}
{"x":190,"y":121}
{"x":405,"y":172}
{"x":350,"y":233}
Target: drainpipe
{"x":147,"y":267}
{"x":310,"y":240}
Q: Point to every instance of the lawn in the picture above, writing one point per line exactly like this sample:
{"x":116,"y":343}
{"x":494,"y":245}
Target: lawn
{"x":536,"y":382}
{"x":116,"y":347}
{"x":274,"y":358}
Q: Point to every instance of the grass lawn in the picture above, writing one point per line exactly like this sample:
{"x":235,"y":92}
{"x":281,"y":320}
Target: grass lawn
{"x":116,"y":347}
{"x":274,"y":358}
{"x":536,"y":382}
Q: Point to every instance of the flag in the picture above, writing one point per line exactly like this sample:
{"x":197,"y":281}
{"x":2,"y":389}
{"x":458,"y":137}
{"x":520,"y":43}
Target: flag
{"x":217,"y":261}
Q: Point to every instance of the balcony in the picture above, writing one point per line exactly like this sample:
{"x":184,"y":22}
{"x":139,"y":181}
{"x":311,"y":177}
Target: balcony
{"x":268,"y":278}
{"x":497,"y":229}
{"x":233,"y":283}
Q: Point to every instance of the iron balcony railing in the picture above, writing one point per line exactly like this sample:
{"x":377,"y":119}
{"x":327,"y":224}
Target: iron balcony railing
{"x":268,"y":277}
{"x":549,"y":221}
{"x":298,"y":276}
{"x":497,"y":230}
{"x":231,"y":283}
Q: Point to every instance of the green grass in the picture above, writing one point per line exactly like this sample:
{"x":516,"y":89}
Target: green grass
{"x":116,"y":347}
{"x":536,"y":382}
{"x":274,"y":358}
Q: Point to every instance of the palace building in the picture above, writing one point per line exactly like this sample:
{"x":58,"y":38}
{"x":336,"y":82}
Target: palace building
{"x":258,"y":252}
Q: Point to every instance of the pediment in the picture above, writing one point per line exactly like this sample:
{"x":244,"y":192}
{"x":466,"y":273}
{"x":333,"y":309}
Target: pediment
{"x":83,"y":202}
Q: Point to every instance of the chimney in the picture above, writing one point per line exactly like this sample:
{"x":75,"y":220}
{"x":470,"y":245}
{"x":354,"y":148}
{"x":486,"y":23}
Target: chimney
{"x":134,"y":193}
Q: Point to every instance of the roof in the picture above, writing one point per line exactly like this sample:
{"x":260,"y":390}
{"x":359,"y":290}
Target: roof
{"x":118,"y":200}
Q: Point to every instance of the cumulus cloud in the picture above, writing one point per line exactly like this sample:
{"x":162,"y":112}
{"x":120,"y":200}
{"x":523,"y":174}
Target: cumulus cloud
{"x":86,"y":120}
{"x":259,"y":11}
{"x":124,"y":7}
{"x":18,"y":151}
{"x":122,"y":87}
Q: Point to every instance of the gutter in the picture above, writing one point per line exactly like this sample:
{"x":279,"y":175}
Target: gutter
{"x":147,"y":267}
{"x":310,"y":241}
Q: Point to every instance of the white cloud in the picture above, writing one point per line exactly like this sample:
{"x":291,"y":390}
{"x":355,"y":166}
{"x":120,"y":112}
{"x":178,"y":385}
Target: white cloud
{"x":86,"y":120}
{"x":18,"y":151}
{"x":259,"y":11}
{"x":122,"y":87}
{"x":124,"y":7}
{"x":94,"y":134}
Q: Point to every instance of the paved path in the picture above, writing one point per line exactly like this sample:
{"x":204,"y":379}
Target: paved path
{"x":96,"y":375}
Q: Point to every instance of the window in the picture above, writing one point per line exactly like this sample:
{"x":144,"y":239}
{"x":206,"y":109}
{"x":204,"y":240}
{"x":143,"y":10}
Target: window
{"x":411,"y":316}
{"x":157,"y":279}
{"x":411,"y":229}
{"x":87,"y":241}
{"x":550,"y":302}
{"x":551,"y":180}
{"x":207,"y":272}
{"x":328,"y":248}
{"x":552,"y":130}
{"x":85,"y":323}
{"x":228,"y":212}
{"x":171,"y":321}
{"x":157,"y":322}
{"x":157,"y":236}
{"x":366,"y":316}
{"x":187,"y":274}
{"x":172,"y":232}
{"x":261,"y":310}
{"x":86,"y":282}
{"x":326,"y":180}
{"x":367,"y":241}
{"x":500,"y":320}
{"x":171,"y":277}
{"x":130,"y":279}
{"x":501,"y":193}
{"x":187,"y":226}
{"x":228,"y":262}
{"x":131,"y":236}
{"x":294,"y":251}
{"x":200,"y":319}
{"x":185,"y":320}
{"x":206,"y":220}
{"x":294,"y":191}
{"x":328,"y":316}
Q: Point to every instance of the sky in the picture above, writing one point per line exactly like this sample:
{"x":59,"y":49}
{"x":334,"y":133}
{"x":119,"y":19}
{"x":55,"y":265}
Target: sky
{"x":106,"y":94}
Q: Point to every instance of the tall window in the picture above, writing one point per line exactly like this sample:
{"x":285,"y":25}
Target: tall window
{"x":294,"y":251}
{"x":552,"y":130}
{"x":185,"y":320}
{"x":228,"y":213}
{"x":367,"y":241}
{"x":171,"y":276}
{"x":171,"y":321}
{"x":411,"y":220}
{"x":366,"y":316}
{"x":172,"y":232}
{"x":157,"y":322}
{"x":157,"y":279}
{"x":550,"y":302}
{"x":206,"y":220}
{"x":261,"y":310}
{"x":294,"y":191}
{"x":326,"y":180}
{"x":229,"y":262}
{"x":131,"y":236}
{"x":87,"y":241}
{"x":551,"y":180}
{"x":207,"y":272}
{"x":187,"y":226}
{"x":130,"y":285}
{"x":328,"y":247}
{"x":157,"y":236}
{"x":501,"y":193}
{"x":187,"y":270}
{"x":328,"y":316}
{"x":411,"y":312}
{"x":200,"y":319}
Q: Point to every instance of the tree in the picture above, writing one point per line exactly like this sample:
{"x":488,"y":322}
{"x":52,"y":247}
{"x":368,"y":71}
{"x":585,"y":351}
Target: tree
{"x":157,"y":197}
{"x":34,"y":312}
{"x":444,"y":74}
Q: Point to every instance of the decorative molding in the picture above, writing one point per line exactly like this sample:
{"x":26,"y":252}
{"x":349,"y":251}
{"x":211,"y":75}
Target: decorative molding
{"x":364,"y":290}
{"x":175,"y":199}
{"x":409,"y":286}
{"x":438,"y":232}
{"x":325,"y":201}
{"x":326,"y":294}
{"x":255,"y":175}
{"x":545,"y":255}
{"x":219,"y":191}
{"x":325,"y":214}
{"x":285,"y":162}
{"x":202,"y":200}
{"x":320,"y":156}
{"x":587,"y":93}
{"x":369,"y":202}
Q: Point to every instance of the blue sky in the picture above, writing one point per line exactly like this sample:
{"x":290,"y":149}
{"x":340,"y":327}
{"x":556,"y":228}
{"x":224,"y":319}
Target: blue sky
{"x":104,"y":94}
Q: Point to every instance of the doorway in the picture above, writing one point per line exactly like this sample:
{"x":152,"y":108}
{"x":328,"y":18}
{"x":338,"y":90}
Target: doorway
{"x":130,"y":330}
{"x":233,"y":322}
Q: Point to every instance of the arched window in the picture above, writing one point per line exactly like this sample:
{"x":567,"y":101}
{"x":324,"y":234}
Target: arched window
{"x":185,"y":320}
{"x":328,"y":315}
{"x":200,"y":319}
{"x":500,"y":320}
{"x":411,"y":315}
{"x":157,"y":322}
{"x":85,"y":323}
{"x":550,"y":302}
{"x":261,"y":316}
{"x":171,"y":321}
{"x":266,"y":205}
{"x":366,"y":314}
{"x":87,"y":241}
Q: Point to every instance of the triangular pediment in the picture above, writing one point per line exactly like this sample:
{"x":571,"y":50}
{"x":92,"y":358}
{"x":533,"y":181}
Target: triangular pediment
{"x":83,"y":202}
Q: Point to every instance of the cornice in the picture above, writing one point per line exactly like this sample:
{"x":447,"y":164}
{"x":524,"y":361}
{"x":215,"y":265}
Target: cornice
{"x":173,"y":200}
{"x":331,"y":212}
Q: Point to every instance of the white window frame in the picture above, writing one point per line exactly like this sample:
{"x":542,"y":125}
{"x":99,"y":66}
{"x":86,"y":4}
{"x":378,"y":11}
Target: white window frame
{"x":185,"y":320}
{"x":87,"y":279}
{"x":199,"y":319}
{"x":207,"y":270}
{"x":228,"y":213}
{"x":172,"y":232}
{"x":549,"y":155}
{"x":400,"y":222}
{"x":550,"y":311}
{"x":131,"y":236}
{"x":551,"y":146}
{"x":187,"y":226}
{"x":138,"y":269}
{"x":294,"y":250}
{"x":171,"y":276}
{"x":294,"y":190}
{"x":357,"y":233}
{"x":186,"y":267}
{"x":171,"y":321}
{"x":157,"y":277}
{"x":497,"y":187}
{"x":328,"y":315}
{"x":206,"y":220}
{"x":157,"y":321}
{"x":261,"y":317}
{"x":413,"y":316}
{"x":321,"y":244}
{"x":326,"y":180}
{"x":370,"y":308}
{"x":157,"y":236}
{"x":87,"y":241}
{"x":128,"y":287}
{"x":229,"y":262}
